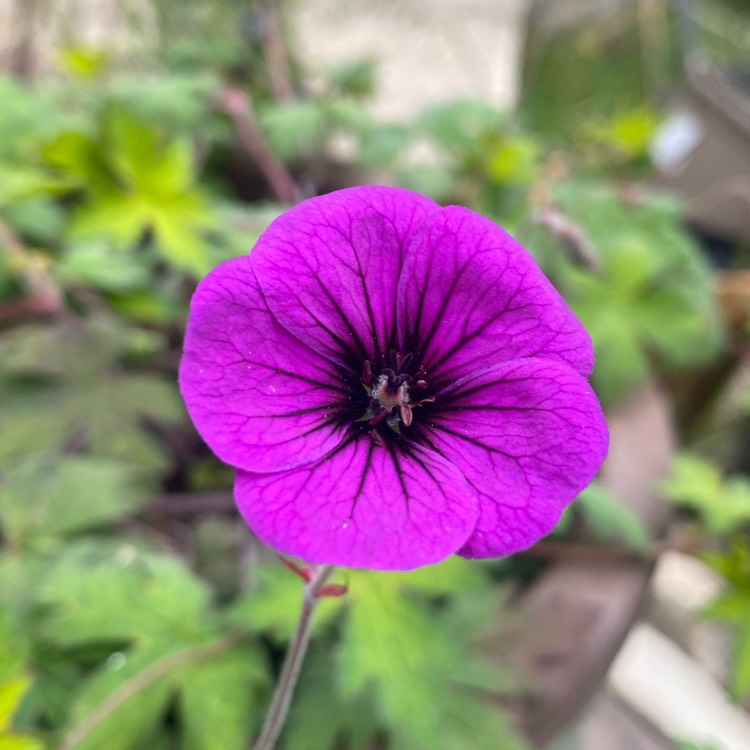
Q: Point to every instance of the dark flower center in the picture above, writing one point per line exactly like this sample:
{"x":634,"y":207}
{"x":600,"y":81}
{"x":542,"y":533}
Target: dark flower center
{"x":392,"y":392}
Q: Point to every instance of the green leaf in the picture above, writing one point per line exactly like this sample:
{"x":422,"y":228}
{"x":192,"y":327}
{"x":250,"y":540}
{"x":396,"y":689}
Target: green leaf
{"x":19,"y":184}
{"x":27,"y":117}
{"x":610,"y":519}
{"x":381,"y":144}
{"x":56,"y":680}
{"x":220,"y":709}
{"x":514,"y":161}
{"x":39,"y":221}
{"x":453,"y":576}
{"x":274,"y":603}
{"x":122,"y":702}
{"x":652,"y":301}
{"x":732,"y":607}
{"x":459,"y":126}
{"x":115,"y":592}
{"x":12,"y":693}
{"x":98,"y":264}
{"x":723,"y":505}
{"x":690,"y":745}
{"x":85,"y":63}
{"x":628,"y":132}
{"x":355,"y":79}
{"x":176,"y":103}
{"x":19,"y":742}
{"x":292,"y":128}
{"x":419,"y":664}
{"x":54,"y":496}
{"x":14,"y":646}
{"x":177,"y":238}
{"x":75,"y":154}
{"x":740,"y":672}
{"x":93,"y":403}
{"x":321,"y":719}
{"x":136,"y":181}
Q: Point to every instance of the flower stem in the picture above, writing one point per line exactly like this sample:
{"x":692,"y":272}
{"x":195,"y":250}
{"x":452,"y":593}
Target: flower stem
{"x":282,"y":696}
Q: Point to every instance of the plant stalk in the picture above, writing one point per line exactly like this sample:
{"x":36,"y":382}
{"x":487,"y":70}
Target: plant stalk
{"x":295,"y":655}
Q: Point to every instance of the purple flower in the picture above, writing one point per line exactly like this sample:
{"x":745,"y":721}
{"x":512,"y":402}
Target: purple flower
{"x":394,"y":382}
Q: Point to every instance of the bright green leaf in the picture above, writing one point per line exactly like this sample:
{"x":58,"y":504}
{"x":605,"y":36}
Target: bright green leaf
{"x":219,"y":700}
{"x":11,"y":694}
{"x":740,"y":672}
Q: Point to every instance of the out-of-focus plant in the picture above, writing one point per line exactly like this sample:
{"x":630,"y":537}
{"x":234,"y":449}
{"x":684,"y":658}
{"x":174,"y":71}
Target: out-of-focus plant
{"x":404,"y":661}
{"x":137,"y":189}
{"x":305,"y":128}
{"x":12,"y":692}
{"x":620,"y":141}
{"x":646,"y":296}
{"x":605,"y":518}
{"x":721,"y":510}
{"x":478,"y":158}
{"x":121,"y":628}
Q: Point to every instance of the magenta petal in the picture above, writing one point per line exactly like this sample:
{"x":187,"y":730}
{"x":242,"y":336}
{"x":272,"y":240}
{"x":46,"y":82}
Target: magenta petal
{"x":528,"y":435}
{"x":470,"y":296}
{"x":390,"y":507}
{"x":260,"y":398}
{"x":329,"y":268}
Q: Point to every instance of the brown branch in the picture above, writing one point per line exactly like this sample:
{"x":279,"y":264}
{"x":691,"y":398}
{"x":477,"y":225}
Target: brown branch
{"x":236,"y":103}
{"x":23,"y":60}
{"x":275,"y":52}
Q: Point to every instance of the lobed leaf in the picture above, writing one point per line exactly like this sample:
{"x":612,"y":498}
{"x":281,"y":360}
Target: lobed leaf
{"x":110,"y":592}
{"x":53,"y":495}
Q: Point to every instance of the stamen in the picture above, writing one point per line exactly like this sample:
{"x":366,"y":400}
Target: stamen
{"x":366,"y":373}
{"x":389,"y":391}
{"x":379,"y":417}
{"x":406,"y":414}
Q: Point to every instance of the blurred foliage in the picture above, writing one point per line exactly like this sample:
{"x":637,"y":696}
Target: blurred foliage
{"x":121,"y":625}
{"x":721,"y":508}
{"x":573,"y":54}
{"x":721,"y":504}
{"x":649,"y":300}
{"x":605,"y":519}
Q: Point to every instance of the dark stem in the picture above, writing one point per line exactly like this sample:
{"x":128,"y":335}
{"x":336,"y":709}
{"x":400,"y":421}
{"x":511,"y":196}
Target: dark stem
{"x":275,"y":52}
{"x":237,"y":104}
{"x":282,"y":696}
{"x":23,"y":60}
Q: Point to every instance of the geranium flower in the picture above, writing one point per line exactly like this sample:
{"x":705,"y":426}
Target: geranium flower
{"x":394,"y":381}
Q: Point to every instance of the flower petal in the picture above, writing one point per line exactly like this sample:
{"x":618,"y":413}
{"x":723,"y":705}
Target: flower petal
{"x":470,"y":296}
{"x":528,"y":435}
{"x":329,"y":268}
{"x":387,"y":507}
{"x":260,"y":398}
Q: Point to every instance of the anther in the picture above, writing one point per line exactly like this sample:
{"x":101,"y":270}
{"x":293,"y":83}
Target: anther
{"x":406,"y":414}
{"x":367,"y":372}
